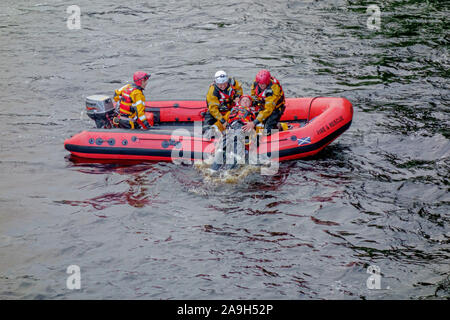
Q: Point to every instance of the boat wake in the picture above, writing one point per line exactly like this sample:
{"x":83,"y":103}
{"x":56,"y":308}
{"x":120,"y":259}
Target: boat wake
{"x":225,"y":176}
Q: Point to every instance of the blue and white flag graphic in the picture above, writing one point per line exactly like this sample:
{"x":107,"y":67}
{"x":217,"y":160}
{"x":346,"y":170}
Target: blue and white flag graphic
{"x":302,"y":141}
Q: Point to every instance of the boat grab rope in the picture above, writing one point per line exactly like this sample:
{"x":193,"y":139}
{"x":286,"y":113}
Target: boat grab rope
{"x":175,"y":106}
{"x":309,"y":110}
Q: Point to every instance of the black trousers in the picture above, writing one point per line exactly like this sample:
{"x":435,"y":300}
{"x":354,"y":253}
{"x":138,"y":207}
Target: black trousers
{"x":272,"y":120}
{"x":125,"y":124}
{"x":209,"y":120}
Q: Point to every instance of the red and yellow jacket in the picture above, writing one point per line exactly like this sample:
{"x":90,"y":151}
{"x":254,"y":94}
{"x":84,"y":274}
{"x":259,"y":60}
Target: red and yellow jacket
{"x":269,"y":99}
{"x":219,"y":102}
{"x":132,"y":104}
{"x":242,"y":114}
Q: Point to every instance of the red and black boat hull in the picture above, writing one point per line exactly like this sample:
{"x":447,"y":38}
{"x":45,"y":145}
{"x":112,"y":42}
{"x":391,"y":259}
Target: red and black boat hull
{"x":316,"y":122}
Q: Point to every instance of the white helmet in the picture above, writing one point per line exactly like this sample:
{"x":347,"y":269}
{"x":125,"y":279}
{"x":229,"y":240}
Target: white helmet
{"x":220,"y":77}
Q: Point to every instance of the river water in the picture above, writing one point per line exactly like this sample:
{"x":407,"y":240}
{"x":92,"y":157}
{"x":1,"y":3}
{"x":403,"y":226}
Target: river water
{"x":377,"y":197}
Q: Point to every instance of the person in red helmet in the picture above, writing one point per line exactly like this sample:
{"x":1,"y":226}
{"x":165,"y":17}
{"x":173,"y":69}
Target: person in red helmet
{"x":269,"y":100}
{"x":132,"y":103}
{"x":241,"y":113}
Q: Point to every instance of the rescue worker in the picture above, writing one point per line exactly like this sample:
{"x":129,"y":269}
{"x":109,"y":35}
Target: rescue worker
{"x":269,"y":98}
{"x":132,"y":103}
{"x":221,"y":97}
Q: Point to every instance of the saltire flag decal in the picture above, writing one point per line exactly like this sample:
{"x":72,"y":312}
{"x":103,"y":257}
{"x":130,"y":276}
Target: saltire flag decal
{"x":303,"y":141}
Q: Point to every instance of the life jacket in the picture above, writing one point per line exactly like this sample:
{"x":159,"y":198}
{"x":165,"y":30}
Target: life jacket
{"x":240,"y":113}
{"x":261,"y":95}
{"x":126,"y":107}
{"x":226,"y":98}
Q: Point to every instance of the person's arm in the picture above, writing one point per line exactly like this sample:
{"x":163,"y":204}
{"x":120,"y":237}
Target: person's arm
{"x":118,"y":93}
{"x":238,"y":88}
{"x":253,"y":91}
{"x":213,"y":105}
{"x":139,"y":105}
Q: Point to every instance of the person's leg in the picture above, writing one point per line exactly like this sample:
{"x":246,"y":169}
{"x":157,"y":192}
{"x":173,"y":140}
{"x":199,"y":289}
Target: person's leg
{"x":273,"y":119}
{"x":125,"y":124}
{"x":208,"y":121}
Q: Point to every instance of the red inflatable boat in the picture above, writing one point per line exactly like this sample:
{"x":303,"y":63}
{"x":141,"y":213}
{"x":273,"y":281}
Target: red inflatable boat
{"x":176,"y":132}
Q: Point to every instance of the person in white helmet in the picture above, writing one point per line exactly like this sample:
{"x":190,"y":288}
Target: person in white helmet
{"x":222,"y":95}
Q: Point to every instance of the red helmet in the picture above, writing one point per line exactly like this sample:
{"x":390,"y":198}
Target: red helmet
{"x":245,"y":96}
{"x":139,"y":76}
{"x":263,"y":77}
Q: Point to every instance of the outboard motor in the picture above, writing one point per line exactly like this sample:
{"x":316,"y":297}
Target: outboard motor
{"x":101,"y":109}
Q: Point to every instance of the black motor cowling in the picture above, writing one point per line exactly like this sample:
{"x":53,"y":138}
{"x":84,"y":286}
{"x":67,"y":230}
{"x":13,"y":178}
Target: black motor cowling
{"x":101,"y":109}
